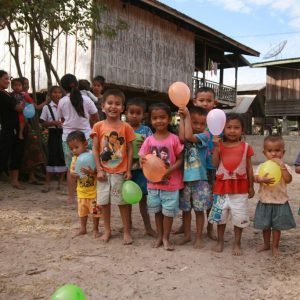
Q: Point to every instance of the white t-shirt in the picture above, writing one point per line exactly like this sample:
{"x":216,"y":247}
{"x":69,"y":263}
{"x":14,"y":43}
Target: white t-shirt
{"x":72,"y":121}
{"x":46,"y":115}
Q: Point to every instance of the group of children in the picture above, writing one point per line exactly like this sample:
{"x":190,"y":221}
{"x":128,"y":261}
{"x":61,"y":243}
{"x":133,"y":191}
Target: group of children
{"x":209,"y":174}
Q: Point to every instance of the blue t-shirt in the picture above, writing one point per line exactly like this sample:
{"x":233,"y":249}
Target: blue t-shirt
{"x":144,"y":130}
{"x":195,"y":155}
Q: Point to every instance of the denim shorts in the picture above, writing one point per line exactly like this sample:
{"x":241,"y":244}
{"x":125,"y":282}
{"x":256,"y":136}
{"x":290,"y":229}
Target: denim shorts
{"x":273,"y":216}
{"x":139,"y":178}
{"x":166,"y":202}
{"x":68,"y":153}
{"x":195,"y":195}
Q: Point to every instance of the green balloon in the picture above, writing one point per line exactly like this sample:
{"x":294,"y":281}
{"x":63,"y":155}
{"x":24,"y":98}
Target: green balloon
{"x":69,"y":292}
{"x":131,"y":192}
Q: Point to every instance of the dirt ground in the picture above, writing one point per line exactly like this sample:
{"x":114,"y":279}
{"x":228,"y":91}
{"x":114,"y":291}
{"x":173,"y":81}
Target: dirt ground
{"x":38,"y":255}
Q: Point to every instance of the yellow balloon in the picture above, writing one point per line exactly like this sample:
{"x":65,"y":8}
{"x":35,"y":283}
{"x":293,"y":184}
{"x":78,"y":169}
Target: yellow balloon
{"x":271,"y":170}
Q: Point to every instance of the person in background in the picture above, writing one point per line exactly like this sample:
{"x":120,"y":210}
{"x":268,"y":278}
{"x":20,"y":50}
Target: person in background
{"x":11,"y":146}
{"x":98,"y":83}
{"x":49,"y":119}
{"x":85,"y":89}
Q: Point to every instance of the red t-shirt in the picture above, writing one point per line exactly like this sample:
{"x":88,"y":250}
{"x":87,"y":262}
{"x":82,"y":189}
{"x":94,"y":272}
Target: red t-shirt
{"x":231,"y":159}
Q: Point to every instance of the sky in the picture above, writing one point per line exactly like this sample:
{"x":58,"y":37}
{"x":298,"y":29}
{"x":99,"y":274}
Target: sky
{"x":259,"y":24}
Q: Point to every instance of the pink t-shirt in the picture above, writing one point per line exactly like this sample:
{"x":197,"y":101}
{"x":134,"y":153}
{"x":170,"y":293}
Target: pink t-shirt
{"x":168,"y":150}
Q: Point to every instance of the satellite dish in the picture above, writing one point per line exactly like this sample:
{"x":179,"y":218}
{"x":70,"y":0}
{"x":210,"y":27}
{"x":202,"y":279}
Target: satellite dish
{"x":2,"y":23}
{"x":273,"y":52}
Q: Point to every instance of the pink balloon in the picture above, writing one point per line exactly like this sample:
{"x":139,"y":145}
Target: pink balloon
{"x":216,"y":120}
{"x":179,"y":93}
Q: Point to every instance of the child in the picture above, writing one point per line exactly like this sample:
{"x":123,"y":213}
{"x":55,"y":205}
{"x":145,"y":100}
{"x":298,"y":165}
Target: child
{"x":49,"y":119}
{"x":234,"y":181}
{"x":86,"y":185}
{"x":112,"y":170}
{"x":84,"y":87}
{"x":97,"y":89}
{"x":196,"y":188}
{"x":163,"y":197}
{"x":135,"y":110}
{"x":20,"y":96}
{"x":273,"y":212}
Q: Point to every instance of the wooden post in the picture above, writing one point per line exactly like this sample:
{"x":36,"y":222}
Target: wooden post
{"x":204,"y":61}
{"x":284,"y":125}
{"x":236,"y":75}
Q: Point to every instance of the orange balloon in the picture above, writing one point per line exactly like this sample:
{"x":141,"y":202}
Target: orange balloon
{"x":179,"y":93}
{"x":154,"y":168}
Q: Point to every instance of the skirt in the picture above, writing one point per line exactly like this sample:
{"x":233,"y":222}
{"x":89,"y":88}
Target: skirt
{"x":56,"y":161}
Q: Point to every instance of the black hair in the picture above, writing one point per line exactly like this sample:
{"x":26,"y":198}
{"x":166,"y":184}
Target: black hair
{"x":76,"y":136}
{"x":2,"y":73}
{"x":206,"y":89}
{"x":113,"y":133}
{"x":70,"y":84}
{"x":138,"y":102}
{"x":100,"y":79}
{"x":114,"y":92}
{"x":160,"y":105}
{"x":17,"y":80}
{"x":53,"y":88}
{"x":274,"y":138}
{"x":84,"y":84}
{"x":197,"y":110}
{"x":235,"y":116}
{"x":24,"y":79}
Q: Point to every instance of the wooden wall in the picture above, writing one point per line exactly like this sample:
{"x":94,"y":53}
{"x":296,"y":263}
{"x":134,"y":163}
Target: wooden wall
{"x":150,"y":55}
{"x":282,"y":92}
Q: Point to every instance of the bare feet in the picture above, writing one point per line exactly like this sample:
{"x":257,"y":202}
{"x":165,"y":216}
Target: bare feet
{"x":127,"y":240}
{"x":179,"y":230}
{"x":211,"y":233}
{"x":150,"y":232}
{"x":96,"y":234}
{"x":184,"y":240}
{"x":237,"y":251}
{"x":264,"y":247}
{"x":105,"y":237}
{"x":198,"y":244}
{"x":276,"y":252}
{"x":167,"y":245}
{"x":157,"y":243}
{"x":81,"y":232}
{"x":218,"y":247}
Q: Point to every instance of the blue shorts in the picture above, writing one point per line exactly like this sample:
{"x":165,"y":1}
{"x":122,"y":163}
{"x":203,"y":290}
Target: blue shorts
{"x":139,"y":178}
{"x":166,"y":202}
{"x":196,"y":195}
{"x":68,"y":153}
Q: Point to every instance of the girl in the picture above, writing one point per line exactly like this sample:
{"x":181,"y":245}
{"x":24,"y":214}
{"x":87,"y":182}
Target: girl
{"x":234,"y":181}
{"x":49,"y":119}
{"x":75,"y":111}
{"x":163,"y":197}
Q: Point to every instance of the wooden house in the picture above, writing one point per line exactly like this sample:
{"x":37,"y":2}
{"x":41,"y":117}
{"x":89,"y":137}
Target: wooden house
{"x":282,"y":90}
{"x":161,"y":46}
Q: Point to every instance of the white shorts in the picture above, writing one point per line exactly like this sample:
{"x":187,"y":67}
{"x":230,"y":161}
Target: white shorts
{"x":236,"y":204}
{"x":110,"y":190}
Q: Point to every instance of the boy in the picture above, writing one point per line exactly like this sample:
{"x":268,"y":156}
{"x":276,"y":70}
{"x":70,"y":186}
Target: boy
{"x":113,"y":158}
{"x":196,"y":190}
{"x":273,"y":212}
{"x":135,"y":113}
{"x":86,"y":185}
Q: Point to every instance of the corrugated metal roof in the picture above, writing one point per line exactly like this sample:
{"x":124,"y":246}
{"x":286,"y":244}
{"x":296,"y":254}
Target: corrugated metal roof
{"x":276,"y":62}
{"x":243,"y":102}
{"x":251,"y":87}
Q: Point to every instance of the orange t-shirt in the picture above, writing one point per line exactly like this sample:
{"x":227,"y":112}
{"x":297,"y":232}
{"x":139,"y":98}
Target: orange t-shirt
{"x":113,"y":141}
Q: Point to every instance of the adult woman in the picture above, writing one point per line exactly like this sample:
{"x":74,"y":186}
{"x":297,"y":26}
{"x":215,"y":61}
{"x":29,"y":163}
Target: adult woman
{"x":11,"y":147}
{"x":75,"y":111}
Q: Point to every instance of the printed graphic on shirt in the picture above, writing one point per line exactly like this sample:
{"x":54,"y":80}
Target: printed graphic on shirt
{"x":163,"y":153}
{"x":191,"y":157}
{"x":87,"y":181}
{"x":113,"y":144}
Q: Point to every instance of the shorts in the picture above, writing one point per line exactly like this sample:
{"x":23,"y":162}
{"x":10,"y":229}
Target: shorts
{"x":195,"y":195}
{"x":166,"y":202}
{"x":237,"y":204}
{"x":273,"y":216}
{"x":68,"y":153}
{"x":139,"y":178}
{"x":110,"y":190}
{"x":211,"y":178}
{"x":88,"y":206}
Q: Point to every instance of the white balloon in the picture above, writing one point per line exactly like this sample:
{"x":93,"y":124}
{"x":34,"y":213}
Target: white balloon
{"x":216,"y":120}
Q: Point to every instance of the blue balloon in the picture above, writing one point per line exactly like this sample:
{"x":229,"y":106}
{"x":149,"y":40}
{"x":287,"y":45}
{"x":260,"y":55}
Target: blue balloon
{"x":29,"y":111}
{"x":85,"y":159}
